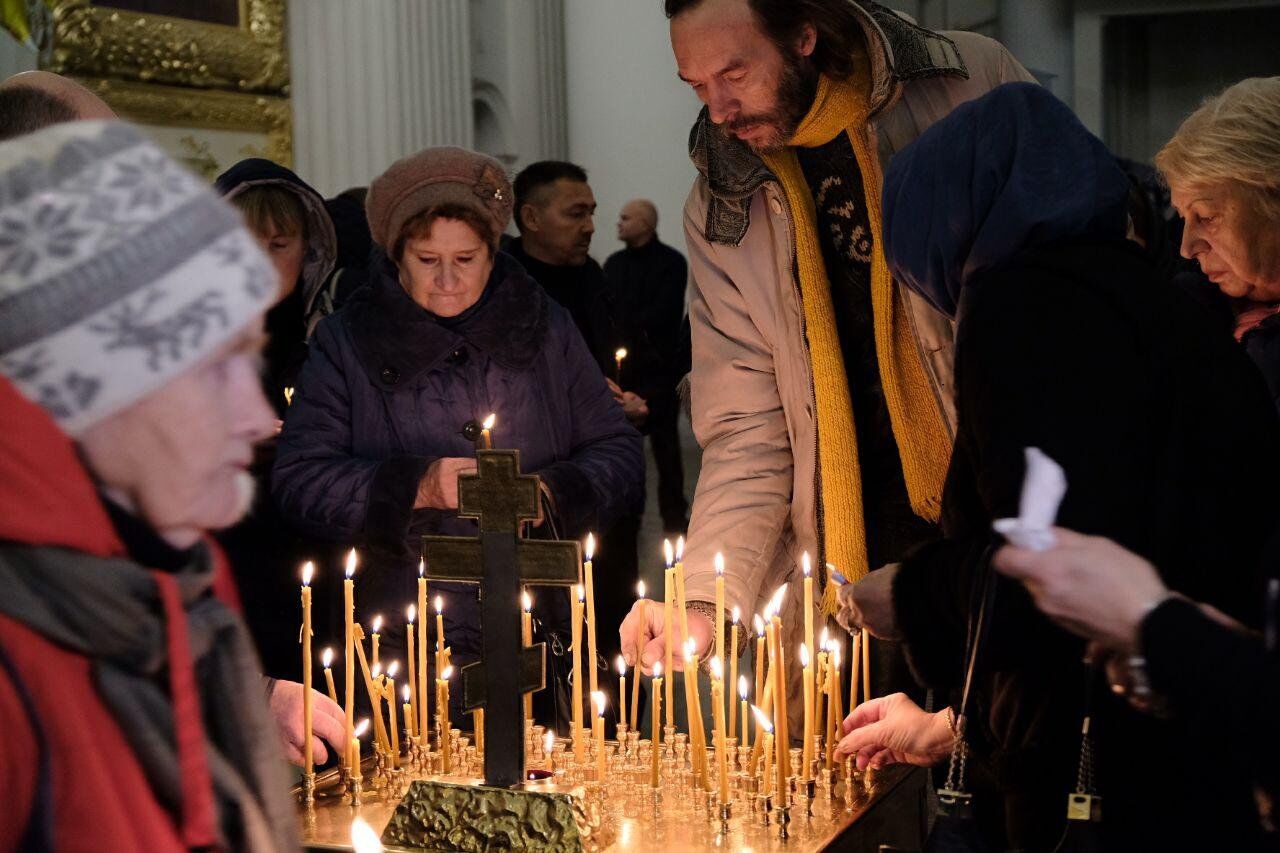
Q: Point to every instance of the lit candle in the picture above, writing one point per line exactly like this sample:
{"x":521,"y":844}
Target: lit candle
{"x":375,"y":700}
{"x":591,"y":613}
{"x":742,"y":695}
{"x":621,"y":664}
{"x":411,"y":719}
{"x":548,"y":748}
{"x":307,"y":571}
{"x":409,"y":698}
{"x":442,"y":714}
{"x":597,"y":733}
{"x":364,"y":839}
{"x":618,"y":357}
{"x":349,"y":608}
{"x":765,"y":727}
{"x":635,"y":684}
{"x":806,"y":753}
{"x":855,"y":666}
{"x":697,"y":735}
{"x":668,"y":626}
{"x":821,"y":685}
{"x":486,"y":437}
{"x":526,"y":637}
{"x":866,"y":666}
{"x":807,"y":568}
{"x":655,"y":689}
{"x":579,"y":747}
{"x":376,"y":634}
{"x":327,"y":659}
{"x":762,"y":663}
{"x":717,"y":703}
{"x":288,"y":395}
{"x":719,"y":634}
{"x":357,"y":732}
{"x":733,"y":670}
{"x":389,"y":692}
{"x":782,"y":736}
{"x":422,"y":697}
{"x":440,"y":659}
{"x":833,"y":701}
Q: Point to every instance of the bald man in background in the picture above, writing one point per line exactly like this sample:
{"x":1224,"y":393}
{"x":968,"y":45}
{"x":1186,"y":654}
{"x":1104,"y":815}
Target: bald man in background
{"x":646,"y":289}
{"x":34,"y":100}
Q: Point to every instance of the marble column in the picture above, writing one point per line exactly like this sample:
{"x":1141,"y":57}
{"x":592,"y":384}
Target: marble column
{"x":549,"y":36}
{"x":375,"y":80}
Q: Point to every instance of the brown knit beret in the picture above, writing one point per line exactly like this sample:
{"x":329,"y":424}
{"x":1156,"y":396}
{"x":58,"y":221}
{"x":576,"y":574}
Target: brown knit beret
{"x":435,"y":177}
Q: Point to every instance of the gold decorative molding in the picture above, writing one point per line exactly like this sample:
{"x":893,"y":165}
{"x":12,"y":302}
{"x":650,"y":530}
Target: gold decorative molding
{"x":99,"y":41}
{"x":171,"y":106}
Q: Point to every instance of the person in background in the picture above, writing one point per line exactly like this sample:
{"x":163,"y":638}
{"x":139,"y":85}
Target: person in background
{"x":647,"y":282}
{"x":554,"y":212}
{"x":355,"y":244}
{"x":134,"y":712}
{"x":1011,"y":217}
{"x":1223,"y":170}
{"x":449,"y":331}
{"x":33,"y":100}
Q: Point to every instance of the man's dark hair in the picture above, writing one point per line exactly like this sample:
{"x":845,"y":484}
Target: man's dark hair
{"x":25,"y":110}
{"x":537,"y":176}
{"x":840,"y":36}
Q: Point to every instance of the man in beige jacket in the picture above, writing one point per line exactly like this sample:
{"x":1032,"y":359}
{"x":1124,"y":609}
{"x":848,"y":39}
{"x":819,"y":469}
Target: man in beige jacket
{"x":821,"y":390}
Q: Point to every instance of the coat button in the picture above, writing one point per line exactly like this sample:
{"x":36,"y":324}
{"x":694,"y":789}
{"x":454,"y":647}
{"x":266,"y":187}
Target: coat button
{"x":776,"y":206}
{"x":389,"y":376}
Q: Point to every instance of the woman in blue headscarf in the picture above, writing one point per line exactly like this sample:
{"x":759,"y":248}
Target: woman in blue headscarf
{"x":1010,"y":217}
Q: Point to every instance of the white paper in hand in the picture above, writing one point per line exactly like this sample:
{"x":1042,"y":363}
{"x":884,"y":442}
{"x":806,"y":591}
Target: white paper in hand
{"x":1042,"y":489}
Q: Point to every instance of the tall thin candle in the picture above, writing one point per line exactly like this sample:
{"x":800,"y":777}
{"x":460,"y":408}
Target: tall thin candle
{"x":621,"y":663}
{"x":389,"y":693}
{"x":307,"y":571}
{"x":579,"y":746}
{"x":442,"y":715}
{"x":717,"y":702}
{"x":733,"y":670}
{"x":866,"y":666}
{"x":635,"y":683}
{"x":411,"y":716}
{"x":655,"y":742}
{"x":668,"y":627}
{"x":719,"y":626}
{"x":592,"y":667}
{"x":526,"y":637}
{"x":440,"y":658}
{"x":833,"y":701}
{"x":597,"y":733}
{"x":742,"y":695}
{"x":423,"y":697}
{"x":376,"y":637}
{"x":855,"y":667}
{"x":807,"y":568}
{"x":765,"y":727}
{"x":349,"y":664}
{"x":326,"y":659}
{"x":806,"y":760}
{"x":697,"y":734}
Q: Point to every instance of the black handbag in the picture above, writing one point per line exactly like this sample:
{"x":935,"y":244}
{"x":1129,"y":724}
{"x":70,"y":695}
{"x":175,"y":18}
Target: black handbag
{"x":956,"y":830}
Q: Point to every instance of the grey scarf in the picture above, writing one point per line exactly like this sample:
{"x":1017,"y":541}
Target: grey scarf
{"x":109,"y":610}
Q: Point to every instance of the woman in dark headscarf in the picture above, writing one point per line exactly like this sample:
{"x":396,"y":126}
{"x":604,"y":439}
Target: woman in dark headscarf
{"x":1010,"y":217}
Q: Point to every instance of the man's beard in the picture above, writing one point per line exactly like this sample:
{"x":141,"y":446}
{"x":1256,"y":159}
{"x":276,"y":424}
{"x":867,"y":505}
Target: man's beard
{"x":796,"y":89}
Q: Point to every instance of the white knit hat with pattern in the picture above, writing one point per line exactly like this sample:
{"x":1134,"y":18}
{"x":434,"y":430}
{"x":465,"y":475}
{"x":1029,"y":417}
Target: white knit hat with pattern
{"x":119,"y":270}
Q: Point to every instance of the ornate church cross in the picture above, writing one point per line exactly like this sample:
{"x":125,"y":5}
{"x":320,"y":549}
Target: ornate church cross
{"x":501,"y":498}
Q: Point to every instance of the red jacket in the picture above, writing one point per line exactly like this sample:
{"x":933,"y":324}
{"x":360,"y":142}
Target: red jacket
{"x":68,"y":776}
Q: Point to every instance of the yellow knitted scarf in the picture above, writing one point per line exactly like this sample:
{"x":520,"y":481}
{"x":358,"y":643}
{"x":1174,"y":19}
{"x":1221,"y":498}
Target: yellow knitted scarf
{"x":923,"y":440}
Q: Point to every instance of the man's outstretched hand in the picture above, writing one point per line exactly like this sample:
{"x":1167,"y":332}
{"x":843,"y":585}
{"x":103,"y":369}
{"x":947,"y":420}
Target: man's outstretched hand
{"x":643,"y":629}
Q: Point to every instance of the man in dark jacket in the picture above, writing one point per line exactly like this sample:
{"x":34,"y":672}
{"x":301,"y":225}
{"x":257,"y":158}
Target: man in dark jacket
{"x":647,"y":282}
{"x":554,"y":211}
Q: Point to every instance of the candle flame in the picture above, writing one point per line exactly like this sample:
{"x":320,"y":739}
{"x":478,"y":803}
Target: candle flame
{"x":717,"y":669}
{"x":758,"y":624}
{"x":363,"y":837}
{"x":351,"y":563}
{"x":737,"y":614}
{"x":657,"y":669}
{"x":411,"y":613}
{"x":597,"y":699}
{"x":805,"y":565}
{"x":377,"y":624}
{"x":406,"y":694}
{"x":548,"y":743}
{"x":620,"y":354}
{"x":439,"y":605}
{"x":582,"y":593}
{"x":591,"y":546}
{"x":361,"y":728}
{"x":447,"y":674}
{"x":308,"y":570}
{"x":422,"y":566}
{"x":668,"y":553}
{"x":835,"y":655}
{"x":526,"y":601}
{"x":719,"y":563}
{"x":377,"y":670}
{"x":326,"y":658}
{"x":679,"y":549}
{"x":823,"y":642}
{"x":393,"y":668}
{"x":742,"y":687}
{"x":804,"y":656}
{"x":778,"y":598}
{"x":621,"y":663}
{"x":690,"y":651}
{"x":640,"y":589}
{"x":490,"y":421}
{"x":763,"y":719}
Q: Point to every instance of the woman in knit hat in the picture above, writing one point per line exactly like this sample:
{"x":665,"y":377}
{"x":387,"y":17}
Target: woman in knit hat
{"x":131,"y":701}
{"x":448,"y":331}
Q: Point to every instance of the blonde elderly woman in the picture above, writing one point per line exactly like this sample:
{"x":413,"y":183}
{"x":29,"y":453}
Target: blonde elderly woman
{"x":1223,"y":170}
